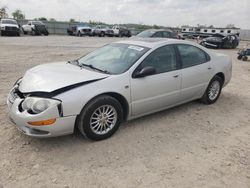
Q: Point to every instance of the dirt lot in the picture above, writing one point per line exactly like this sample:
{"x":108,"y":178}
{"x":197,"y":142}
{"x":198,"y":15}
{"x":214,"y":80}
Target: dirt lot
{"x":192,"y":145}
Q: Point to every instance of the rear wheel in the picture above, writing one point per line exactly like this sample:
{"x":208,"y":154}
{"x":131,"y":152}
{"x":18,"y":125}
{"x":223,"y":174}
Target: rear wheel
{"x":244,"y":58}
{"x":213,"y":91}
{"x":101,"y":118}
{"x":239,"y":57}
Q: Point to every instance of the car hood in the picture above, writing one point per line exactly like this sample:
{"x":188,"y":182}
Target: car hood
{"x":83,"y":27}
{"x":213,"y":39}
{"x":54,"y":76}
{"x":9,"y":25}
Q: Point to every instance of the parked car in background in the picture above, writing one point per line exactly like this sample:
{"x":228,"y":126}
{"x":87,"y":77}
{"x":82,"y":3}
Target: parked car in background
{"x":121,"y":31}
{"x":221,"y":41}
{"x":79,"y":29}
{"x":181,"y":36}
{"x":102,"y":30}
{"x":35,"y":28}
{"x":158,"y":33}
{"x":9,"y":27}
{"x":117,"y":82}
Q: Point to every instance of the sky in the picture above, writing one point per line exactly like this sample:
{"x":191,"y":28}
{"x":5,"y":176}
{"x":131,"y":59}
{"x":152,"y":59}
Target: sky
{"x":160,"y":12}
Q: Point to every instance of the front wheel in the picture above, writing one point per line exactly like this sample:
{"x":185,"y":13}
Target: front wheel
{"x":79,"y":34}
{"x":101,"y":118}
{"x":213,"y":91}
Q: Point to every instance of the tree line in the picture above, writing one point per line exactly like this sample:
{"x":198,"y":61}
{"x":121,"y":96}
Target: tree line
{"x":19,"y":15}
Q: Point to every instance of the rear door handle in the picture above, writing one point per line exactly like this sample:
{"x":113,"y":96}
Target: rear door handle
{"x":209,"y":68}
{"x":176,"y":76}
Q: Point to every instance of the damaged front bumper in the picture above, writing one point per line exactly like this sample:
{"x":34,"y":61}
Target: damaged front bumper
{"x":21,"y":119}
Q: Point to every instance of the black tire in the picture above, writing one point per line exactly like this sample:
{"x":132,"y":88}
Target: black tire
{"x":84,"y":118}
{"x":206,"y":99}
{"x":2,"y":33}
{"x":79,"y":34}
{"x":33,"y":32}
{"x":24,"y":32}
{"x":239,"y":57}
{"x":102,"y":34}
{"x":244,"y":58}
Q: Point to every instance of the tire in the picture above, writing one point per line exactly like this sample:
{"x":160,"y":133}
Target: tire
{"x":90,"y":114}
{"x":210,"y":96}
{"x":24,"y":32}
{"x":102,"y":34}
{"x":79,"y":34}
{"x":2,"y":33}
{"x":244,"y":58}
{"x":33,"y":33}
{"x":239,"y":57}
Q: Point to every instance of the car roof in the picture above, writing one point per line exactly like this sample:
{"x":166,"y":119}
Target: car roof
{"x":153,"y":42}
{"x":155,"y":30}
{"x":8,"y":19}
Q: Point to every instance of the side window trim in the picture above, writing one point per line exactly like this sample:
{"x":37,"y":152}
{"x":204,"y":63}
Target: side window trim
{"x":177,"y":57}
{"x":208,"y":58}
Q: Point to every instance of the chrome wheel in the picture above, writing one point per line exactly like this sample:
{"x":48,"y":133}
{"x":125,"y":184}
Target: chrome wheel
{"x":214,"y":90}
{"x":103,"y":119}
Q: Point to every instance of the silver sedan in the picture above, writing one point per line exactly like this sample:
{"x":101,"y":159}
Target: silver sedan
{"x":115,"y":83}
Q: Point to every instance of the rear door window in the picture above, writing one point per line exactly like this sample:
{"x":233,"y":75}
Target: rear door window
{"x":158,"y":34}
{"x":191,"y":55}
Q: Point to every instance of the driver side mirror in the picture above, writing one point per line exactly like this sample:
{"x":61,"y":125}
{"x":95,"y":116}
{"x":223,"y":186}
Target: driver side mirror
{"x":146,"y":71}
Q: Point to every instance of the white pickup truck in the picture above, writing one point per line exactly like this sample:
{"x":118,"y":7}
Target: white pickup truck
{"x":9,"y":27}
{"x":35,"y":28}
{"x":121,"y":31}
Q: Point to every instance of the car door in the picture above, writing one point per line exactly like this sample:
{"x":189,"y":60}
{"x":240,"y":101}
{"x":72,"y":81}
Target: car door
{"x":158,"y":34}
{"x":29,"y":27}
{"x":196,"y":71}
{"x":166,"y":34}
{"x":160,"y":90}
{"x":116,"y":30}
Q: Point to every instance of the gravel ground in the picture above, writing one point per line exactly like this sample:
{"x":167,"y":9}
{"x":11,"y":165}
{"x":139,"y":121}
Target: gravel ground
{"x":192,"y":145}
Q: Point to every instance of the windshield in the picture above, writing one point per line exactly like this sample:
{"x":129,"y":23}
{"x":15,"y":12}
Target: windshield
{"x":38,"y":23}
{"x":147,"y":33}
{"x":9,"y":22}
{"x":113,"y":58}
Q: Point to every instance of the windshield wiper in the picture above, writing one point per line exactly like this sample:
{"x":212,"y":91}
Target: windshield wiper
{"x":92,"y":67}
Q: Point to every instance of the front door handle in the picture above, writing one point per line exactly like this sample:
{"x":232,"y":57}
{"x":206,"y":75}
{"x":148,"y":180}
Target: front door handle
{"x":209,"y":68}
{"x":176,"y":76}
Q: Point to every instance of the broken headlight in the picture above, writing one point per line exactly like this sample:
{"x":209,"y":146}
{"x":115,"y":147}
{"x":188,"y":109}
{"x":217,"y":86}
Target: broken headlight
{"x":37,"y":105}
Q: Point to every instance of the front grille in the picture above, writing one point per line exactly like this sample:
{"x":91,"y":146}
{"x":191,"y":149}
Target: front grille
{"x":86,"y":30}
{"x":8,"y":28}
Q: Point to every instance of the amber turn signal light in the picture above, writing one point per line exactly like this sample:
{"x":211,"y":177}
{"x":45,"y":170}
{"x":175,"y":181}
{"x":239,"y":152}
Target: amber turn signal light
{"x":43,"y":122}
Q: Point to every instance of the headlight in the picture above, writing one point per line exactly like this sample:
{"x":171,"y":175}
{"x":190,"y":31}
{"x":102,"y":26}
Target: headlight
{"x":37,"y":105}
{"x":3,"y":28}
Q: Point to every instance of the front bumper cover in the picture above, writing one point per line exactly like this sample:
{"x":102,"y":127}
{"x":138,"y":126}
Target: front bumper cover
{"x":62,"y":126}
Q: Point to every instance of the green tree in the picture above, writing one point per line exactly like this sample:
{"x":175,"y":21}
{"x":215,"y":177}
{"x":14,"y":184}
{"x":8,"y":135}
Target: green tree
{"x":3,"y":12}
{"x":18,"y":15}
{"x":72,"y":20}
